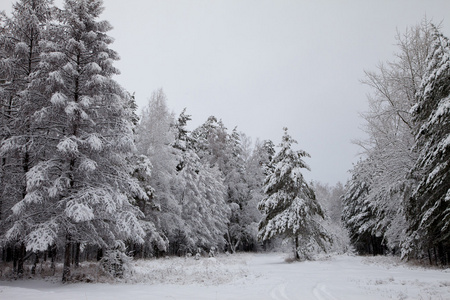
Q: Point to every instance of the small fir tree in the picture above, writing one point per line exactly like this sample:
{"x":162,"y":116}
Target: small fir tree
{"x":290,"y":208}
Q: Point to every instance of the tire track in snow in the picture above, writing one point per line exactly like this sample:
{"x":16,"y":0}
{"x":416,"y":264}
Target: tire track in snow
{"x":321,"y":293}
{"x":279,"y":292}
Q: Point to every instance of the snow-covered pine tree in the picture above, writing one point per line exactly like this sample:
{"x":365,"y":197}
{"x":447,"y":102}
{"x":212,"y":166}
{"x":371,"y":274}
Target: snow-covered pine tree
{"x":211,"y":143}
{"x":142,"y":172}
{"x":289,"y":207}
{"x":201,"y":193}
{"x":154,"y":138}
{"x":79,"y":192}
{"x":357,"y":211}
{"x":182,"y":140}
{"x":388,"y":158}
{"x":330,"y":198}
{"x":216,"y":212}
{"x":22,"y":142}
{"x":429,"y":209}
{"x":216,"y":146}
{"x":238,"y":193}
{"x":247,"y":192}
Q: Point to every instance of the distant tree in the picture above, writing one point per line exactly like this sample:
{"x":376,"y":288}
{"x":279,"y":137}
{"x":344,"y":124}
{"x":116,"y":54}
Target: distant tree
{"x":201,"y":194}
{"x":357,"y":212}
{"x":289,"y":207}
{"x":216,"y":147}
{"x":204,"y":211}
{"x":154,"y":139}
{"x":429,"y":210}
{"x":246,"y":182}
{"x":237,"y":193}
{"x":181,"y":132}
{"x":330,"y":198}
{"x":212,"y":143}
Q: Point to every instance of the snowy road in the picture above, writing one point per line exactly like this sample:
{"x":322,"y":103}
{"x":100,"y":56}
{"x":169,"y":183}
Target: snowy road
{"x":263,"y":276}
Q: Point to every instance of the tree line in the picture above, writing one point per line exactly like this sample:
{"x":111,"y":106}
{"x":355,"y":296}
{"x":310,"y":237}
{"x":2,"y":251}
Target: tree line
{"x":397,"y":199}
{"x":83,"y":177}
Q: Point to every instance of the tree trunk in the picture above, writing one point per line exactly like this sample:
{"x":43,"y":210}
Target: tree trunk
{"x":53,"y":258}
{"x":67,"y":258}
{"x":21,"y":259}
{"x":296,"y":255}
{"x":442,"y":254}
{"x":435,"y":256}
{"x":230,"y":242}
{"x":77,"y":254}
{"x":14,"y":258}
{"x":99,"y":254}
{"x":36,"y":261}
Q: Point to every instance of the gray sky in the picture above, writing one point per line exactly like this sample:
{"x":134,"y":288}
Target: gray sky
{"x":262,"y":65}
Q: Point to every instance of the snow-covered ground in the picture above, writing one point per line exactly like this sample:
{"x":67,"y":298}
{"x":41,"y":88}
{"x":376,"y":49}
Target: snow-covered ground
{"x":253,"y":276}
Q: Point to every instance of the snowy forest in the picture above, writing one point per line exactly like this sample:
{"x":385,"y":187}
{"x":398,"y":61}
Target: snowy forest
{"x":85,"y":176}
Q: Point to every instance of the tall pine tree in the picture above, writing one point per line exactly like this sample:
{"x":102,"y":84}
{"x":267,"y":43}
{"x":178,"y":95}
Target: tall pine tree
{"x":79,"y":192}
{"x":22,"y":140}
{"x":429,"y":209}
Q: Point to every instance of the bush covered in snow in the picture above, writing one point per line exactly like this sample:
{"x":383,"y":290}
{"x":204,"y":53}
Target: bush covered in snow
{"x":116,"y":263}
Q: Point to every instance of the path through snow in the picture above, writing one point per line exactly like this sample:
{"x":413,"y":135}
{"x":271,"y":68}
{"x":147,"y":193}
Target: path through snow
{"x":261,"y":276}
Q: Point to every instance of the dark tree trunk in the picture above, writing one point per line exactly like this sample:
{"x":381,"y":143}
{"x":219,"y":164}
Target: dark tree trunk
{"x":435,"y":256}
{"x":14,"y":258}
{"x":99,"y":253}
{"x":442,"y":254}
{"x":36,"y":261}
{"x":67,"y":258}
{"x":53,"y":258}
{"x":20,"y":259}
{"x":77,"y":254}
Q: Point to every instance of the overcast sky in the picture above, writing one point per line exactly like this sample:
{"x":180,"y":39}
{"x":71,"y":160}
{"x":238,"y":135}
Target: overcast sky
{"x":263,"y":65}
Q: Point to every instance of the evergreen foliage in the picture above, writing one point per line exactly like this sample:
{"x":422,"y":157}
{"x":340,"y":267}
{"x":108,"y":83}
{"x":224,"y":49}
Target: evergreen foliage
{"x":289,"y":207}
{"x":22,"y":139}
{"x":80,"y":172}
{"x":397,"y":198}
{"x":79,"y":185}
{"x":429,"y":210}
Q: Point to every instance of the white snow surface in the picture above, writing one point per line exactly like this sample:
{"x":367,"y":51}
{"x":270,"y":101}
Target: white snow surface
{"x":253,"y":276}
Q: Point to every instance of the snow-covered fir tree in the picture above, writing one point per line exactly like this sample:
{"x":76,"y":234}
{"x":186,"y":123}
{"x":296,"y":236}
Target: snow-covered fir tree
{"x":154,"y":139}
{"x":357,"y":212}
{"x":216,"y":146}
{"x":22,"y":140}
{"x":429,"y":209}
{"x":238,"y":194}
{"x":201,"y":193}
{"x":289,"y":208}
{"x":213,"y":147}
{"x":330,"y":198}
{"x":79,"y":192}
{"x":243,"y":228}
{"x":380,"y":223}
